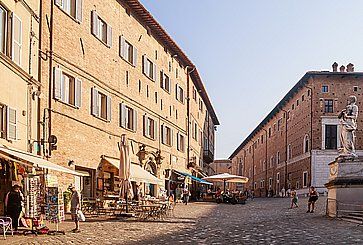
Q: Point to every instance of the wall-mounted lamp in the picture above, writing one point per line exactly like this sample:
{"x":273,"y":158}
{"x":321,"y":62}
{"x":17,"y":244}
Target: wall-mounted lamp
{"x":70,"y":163}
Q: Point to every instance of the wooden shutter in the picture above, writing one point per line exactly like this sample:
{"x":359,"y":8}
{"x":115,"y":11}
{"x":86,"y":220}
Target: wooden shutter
{"x":11,"y":124}
{"x":177,"y":91}
{"x":177,"y":141}
{"x":108,"y":105}
{"x":123,"y":115}
{"x":155,"y":72}
{"x":162,"y":84}
{"x":134,"y":123}
{"x":95,"y":27}
{"x":65,"y":92}
{"x":171,"y":137}
{"x":109,"y":36}
{"x":134,"y":56}
{"x":95,"y":108}
{"x":17,"y":40}
{"x":57,"y":83}
{"x":155,"y":130}
{"x":146,"y":126}
{"x":58,"y":3}
{"x":78,"y":93}
{"x":145,"y":65}
{"x":122,"y":47}
{"x":79,"y":6}
{"x":162,"y":134}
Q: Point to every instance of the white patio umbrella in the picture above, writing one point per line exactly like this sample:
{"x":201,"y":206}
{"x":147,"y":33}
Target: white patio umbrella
{"x":124,"y":171}
{"x":225,"y":177}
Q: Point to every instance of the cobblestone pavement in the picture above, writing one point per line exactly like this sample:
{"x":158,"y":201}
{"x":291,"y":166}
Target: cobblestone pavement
{"x":261,"y":221}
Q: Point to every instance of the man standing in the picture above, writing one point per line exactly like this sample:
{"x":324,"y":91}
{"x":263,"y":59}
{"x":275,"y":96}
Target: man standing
{"x":13,"y":205}
{"x":186,"y":195}
{"x":75,"y":207}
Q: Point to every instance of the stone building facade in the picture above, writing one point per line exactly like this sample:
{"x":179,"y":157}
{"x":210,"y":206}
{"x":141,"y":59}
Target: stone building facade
{"x":19,"y":86}
{"x":293,"y":145}
{"x":111,"y":69}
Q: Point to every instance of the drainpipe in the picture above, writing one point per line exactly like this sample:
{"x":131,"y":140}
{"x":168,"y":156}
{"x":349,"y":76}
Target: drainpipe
{"x":50,"y":76}
{"x":39,"y":76}
{"x":266,"y":184}
{"x":285,"y":187}
{"x":311,"y":132}
{"x":253,"y":168}
{"x":188,"y":110}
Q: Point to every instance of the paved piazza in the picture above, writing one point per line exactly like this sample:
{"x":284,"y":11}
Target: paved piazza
{"x":261,"y":221}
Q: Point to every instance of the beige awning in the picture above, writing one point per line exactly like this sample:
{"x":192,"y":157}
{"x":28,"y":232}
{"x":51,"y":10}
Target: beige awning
{"x":137,"y":173}
{"x":34,"y":160}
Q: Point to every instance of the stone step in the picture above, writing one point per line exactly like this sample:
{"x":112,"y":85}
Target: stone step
{"x":354,"y":219}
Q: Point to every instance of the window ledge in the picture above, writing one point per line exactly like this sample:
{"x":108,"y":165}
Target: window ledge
{"x":128,"y":62}
{"x":154,"y":139}
{"x":129,"y":129}
{"x":73,"y":18}
{"x":103,"y":119}
{"x":148,"y":77}
{"x":67,"y":104}
{"x":101,"y":41}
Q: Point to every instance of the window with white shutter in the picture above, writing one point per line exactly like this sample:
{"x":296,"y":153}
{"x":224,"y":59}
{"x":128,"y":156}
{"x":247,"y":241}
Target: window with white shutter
{"x":3,"y":121}
{"x":3,"y":29}
{"x":67,"y":88}
{"x":100,"y":105}
{"x":128,"y":117}
{"x":180,"y":142}
{"x":150,"y":128}
{"x":101,"y":29}
{"x":167,"y":135}
{"x":12,"y":124}
{"x":71,"y":7}
{"x":17,"y":40}
{"x":165,"y":82}
{"x":127,"y":51}
{"x":149,"y":68}
{"x":179,"y":93}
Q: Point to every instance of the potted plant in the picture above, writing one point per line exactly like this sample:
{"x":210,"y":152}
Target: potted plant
{"x":67,"y":195}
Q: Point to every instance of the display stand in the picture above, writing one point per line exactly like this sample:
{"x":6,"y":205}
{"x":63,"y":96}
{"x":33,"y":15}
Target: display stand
{"x":54,"y":209}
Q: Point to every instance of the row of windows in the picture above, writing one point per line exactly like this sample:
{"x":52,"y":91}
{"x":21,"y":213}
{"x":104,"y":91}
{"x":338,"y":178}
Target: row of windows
{"x":68,"y":89}
{"x":297,"y":185}
{"x":128,"y":52}
{"x":325,"y":88}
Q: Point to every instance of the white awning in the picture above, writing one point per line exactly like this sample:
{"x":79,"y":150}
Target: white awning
{"x":35,"y":160}
{"x":137,"y":173}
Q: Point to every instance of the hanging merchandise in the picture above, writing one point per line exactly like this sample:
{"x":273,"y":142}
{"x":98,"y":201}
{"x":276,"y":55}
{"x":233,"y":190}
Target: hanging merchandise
{"x":33,"y":196}
{"x":55,"y":206}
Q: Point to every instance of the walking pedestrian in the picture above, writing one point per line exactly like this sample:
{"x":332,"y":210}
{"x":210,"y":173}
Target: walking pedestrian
{"x":313,"y":197}
{"x":186,"y":194}
{"x":13,"y":205}
{"x":75,"y":207}
{"x":294,"y":199}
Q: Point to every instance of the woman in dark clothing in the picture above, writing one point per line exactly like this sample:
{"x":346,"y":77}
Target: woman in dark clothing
{"x":313,"y":197}
{"x":13,"y":206}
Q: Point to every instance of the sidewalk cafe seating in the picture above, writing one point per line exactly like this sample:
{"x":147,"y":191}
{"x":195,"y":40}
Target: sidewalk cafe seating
{"x":7,"y":225}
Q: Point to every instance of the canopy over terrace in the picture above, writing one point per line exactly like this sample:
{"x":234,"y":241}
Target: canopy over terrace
{"x":226,"y":178}
{"x":23,"y":157}
{"x":137,"y":173}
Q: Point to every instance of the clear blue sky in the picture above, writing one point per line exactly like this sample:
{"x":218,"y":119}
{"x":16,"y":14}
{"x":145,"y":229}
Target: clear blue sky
{"x":250,"y":53}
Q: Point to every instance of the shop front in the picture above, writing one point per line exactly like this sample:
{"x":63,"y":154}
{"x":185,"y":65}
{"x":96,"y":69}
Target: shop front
{"x":142,"y":178}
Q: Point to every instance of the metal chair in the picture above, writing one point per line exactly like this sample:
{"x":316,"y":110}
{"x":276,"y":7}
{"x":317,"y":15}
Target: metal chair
{"x":7,"y":225}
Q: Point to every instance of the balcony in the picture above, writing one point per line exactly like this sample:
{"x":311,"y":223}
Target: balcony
{"x":208,"y":155}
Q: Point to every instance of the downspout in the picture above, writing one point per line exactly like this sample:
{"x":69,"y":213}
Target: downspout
{"x":285,"y":187}
{"x":39,"y":76}
{"x":188,"y":111}
{"x":50,"y":75}
{"x":253,"y":168}
{"x":266,"y":184}
{"x":311,"y":133}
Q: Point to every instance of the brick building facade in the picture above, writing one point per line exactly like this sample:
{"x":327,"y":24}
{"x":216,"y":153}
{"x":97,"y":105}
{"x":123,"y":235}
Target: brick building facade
{"x":110,"y":69}
{"x":293,"y":145}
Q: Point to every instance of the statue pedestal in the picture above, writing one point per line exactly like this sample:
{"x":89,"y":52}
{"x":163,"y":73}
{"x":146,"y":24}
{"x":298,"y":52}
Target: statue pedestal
{"x":345,"y":186}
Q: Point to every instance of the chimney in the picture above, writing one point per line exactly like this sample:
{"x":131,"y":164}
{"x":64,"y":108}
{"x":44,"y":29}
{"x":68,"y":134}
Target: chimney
{"x":350,"y":67}
{"x":335,"y":67}
{"x":342,"y":69}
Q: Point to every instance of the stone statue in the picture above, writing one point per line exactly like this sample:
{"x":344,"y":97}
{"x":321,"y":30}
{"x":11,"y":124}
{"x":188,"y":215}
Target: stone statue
{"x":348,"y":126}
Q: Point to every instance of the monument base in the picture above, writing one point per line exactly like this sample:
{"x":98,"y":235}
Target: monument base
{"x":345,"y":186}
